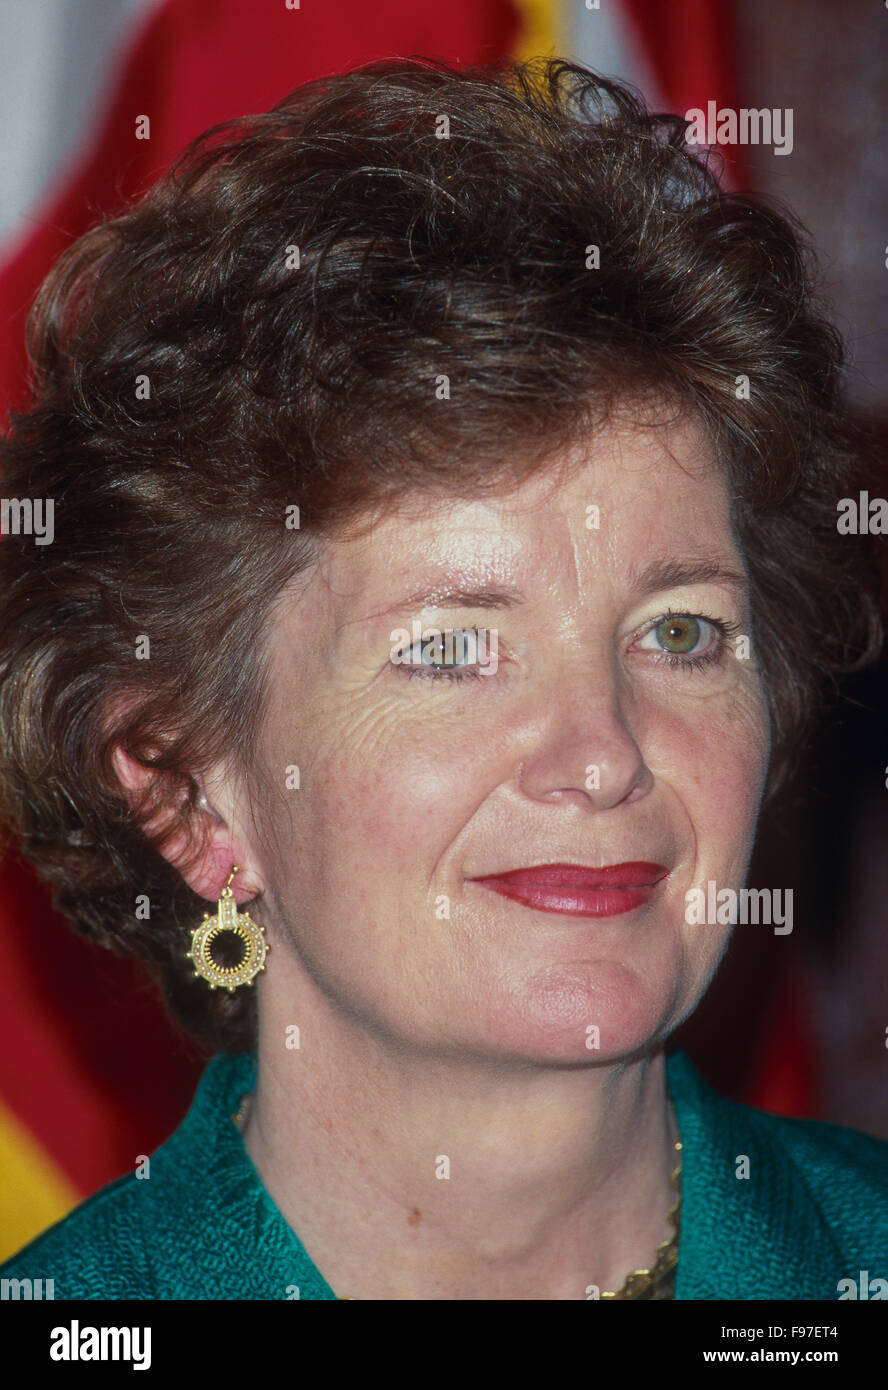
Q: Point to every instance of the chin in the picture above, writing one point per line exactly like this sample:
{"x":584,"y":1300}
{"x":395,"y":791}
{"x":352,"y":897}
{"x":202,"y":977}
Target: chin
{"x":548,"y":1017}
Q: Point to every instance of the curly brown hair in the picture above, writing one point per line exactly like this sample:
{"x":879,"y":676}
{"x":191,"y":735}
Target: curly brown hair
{"x":264,"y":330}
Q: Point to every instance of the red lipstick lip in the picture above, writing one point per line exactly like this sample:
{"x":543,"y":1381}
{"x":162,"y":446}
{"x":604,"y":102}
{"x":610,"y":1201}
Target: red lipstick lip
{"x":574,"y":890}
{"x":638,"y":873}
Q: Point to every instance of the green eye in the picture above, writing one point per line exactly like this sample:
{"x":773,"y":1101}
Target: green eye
{"x":451,"y":655}
{"x":678,"y":634}
{"x":676,"y":639}
{"x":448,"y":652}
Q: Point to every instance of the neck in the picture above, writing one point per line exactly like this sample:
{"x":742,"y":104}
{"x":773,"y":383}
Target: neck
{"x":416,"y":1176}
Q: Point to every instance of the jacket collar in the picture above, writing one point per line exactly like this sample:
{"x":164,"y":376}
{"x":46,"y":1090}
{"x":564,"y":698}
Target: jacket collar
{"x":244,"y":1247}
{"x":756,"y":1237}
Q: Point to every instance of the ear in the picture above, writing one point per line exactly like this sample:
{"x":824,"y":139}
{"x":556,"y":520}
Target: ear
{"x":205,"y":852}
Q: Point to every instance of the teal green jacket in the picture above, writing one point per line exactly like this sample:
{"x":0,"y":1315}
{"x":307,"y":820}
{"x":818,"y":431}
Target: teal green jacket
{"x":813,"y":1210}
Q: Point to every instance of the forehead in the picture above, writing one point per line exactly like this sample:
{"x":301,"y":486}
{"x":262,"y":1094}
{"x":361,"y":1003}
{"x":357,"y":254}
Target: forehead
{"x":597,"y":514}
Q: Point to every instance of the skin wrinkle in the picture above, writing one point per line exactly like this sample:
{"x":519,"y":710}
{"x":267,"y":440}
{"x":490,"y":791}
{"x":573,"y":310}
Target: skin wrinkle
{"x":465,"y":1035}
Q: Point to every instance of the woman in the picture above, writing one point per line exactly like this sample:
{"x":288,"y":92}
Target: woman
{"x":445,"y":567}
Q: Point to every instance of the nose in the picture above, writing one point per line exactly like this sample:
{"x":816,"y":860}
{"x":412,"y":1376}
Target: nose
{"x":580,"y":742}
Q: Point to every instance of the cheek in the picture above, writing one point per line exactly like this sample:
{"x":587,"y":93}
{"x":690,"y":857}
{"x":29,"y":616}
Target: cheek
{"x":397,"y":795}
{"x":715,"y":754}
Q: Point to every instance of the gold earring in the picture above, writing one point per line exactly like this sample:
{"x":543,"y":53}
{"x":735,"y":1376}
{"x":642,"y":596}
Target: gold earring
{"x":239,"y":924}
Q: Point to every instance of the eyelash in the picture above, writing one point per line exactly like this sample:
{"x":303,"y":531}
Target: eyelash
{"x":428,"y":673}
{"x":723,"y":627}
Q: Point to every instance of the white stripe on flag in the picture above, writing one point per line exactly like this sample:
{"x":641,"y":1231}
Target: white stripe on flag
{"x":59,"y":61}
{"x":605,"y":41}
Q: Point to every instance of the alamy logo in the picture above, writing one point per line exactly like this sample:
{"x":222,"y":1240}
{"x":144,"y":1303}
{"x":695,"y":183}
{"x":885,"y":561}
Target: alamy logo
{"x":748,"y":126}
{"x":15,"y":1289}
{"x":862,"y":516}
{"x":724,"y":906}
{"x":76,"y":1343}
{"x":445,"y":650}
{"x":862,"y":1287}
{"x":28,"y":516}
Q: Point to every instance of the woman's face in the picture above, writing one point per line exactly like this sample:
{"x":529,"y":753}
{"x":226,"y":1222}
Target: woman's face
{"x":597,"y":736}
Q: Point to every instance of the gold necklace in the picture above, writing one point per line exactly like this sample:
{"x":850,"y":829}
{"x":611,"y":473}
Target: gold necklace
{"x":658,"y":1282}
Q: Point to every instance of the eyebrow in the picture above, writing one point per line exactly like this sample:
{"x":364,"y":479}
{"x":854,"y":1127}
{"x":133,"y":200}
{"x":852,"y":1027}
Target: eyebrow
{"x":673,"y":574}
{"x":459,"y":597}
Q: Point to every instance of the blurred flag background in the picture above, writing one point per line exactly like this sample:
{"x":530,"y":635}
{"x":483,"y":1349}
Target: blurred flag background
{"x":91,"y":1072}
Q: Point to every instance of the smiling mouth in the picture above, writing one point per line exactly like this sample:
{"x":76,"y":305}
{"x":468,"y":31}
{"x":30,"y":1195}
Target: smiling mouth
{"x":576,"y":891}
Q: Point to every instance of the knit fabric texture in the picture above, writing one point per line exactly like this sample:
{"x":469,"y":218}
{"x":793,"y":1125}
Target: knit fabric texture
{"x":812,"y":1211}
